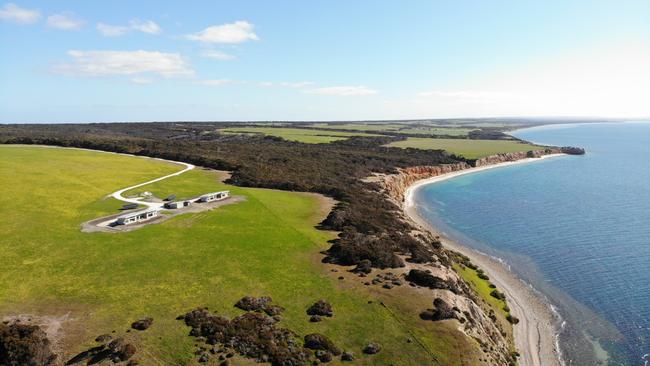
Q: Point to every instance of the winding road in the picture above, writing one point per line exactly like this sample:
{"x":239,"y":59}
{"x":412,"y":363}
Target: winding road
{"x":118,"y":194}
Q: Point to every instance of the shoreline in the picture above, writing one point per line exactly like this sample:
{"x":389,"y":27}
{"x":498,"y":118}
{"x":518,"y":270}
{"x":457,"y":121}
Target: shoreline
{"x":536,"y":334}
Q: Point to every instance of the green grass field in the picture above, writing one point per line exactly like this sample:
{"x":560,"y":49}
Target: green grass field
{"x":398,"y":128}
{"x":266,"y":245}
{"x":441,"y":131}
{"x":361,"y":126}
{"x":297,"y":134}
{"x":471,"y":149}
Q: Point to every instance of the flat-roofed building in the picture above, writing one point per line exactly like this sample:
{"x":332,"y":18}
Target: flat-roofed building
{"x":137,"y":216}
{"x":214,"y":196}
{"x":176,"y":204}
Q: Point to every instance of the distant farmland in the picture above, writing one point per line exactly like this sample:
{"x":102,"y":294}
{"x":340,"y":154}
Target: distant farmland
{"x":296,"y":134}
{"x":471,"y":149}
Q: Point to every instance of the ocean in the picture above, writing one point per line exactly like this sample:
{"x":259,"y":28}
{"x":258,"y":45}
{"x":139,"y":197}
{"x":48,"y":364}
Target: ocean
{"x":577,"y":228}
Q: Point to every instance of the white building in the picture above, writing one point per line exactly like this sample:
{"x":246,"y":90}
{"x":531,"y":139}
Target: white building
{"x":137,"y":216}
{"x":215,"y":196}
{"x":176,"y":204}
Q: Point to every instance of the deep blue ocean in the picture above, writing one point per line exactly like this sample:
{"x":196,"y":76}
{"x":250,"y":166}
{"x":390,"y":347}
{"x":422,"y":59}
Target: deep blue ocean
{"x":575,"y":227}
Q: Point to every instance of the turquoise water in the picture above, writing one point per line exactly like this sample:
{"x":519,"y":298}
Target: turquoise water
{"x":576,"y":227}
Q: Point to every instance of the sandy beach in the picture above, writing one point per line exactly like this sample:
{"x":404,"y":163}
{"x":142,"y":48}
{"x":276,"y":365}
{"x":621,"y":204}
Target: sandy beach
{"x":535,"y":334}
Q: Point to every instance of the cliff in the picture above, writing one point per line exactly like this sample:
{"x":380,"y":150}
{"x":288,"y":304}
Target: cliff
{"x":395,"y":185}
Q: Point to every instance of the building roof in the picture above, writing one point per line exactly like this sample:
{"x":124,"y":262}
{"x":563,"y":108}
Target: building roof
{"x":135,"y":213}
{"x":213,"y":193}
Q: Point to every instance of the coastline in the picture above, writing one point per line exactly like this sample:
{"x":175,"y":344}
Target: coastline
{"x":536,"y":333}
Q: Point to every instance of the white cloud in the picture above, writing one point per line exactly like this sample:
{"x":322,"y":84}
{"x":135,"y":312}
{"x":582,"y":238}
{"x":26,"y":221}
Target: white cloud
{"x":217,"y":55}
{"x":237,"y":32}
{"x":142,"y":80}
{"x":342,"y":91}
{"x":13,"y":13}
{"x":218,"y":82}
{"x":65,"y":21}
{"x":111,"y":30}
{"x":146,"y":26}
{"x":296,"y":85}
{"x":102,"y":63}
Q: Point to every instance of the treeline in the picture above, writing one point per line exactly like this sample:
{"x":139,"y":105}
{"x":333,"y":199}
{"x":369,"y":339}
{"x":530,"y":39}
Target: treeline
{"x":370,"y":228}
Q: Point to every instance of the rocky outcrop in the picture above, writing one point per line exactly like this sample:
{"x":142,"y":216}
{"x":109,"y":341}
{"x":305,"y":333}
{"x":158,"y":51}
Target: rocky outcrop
{"x":572,"y":150}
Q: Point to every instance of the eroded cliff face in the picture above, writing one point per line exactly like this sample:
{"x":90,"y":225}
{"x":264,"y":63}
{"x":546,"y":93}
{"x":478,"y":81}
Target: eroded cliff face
{"x":503,"y":158}
{"x":470,"y":318}
{"x":395,"y":185}
{"x":473,"y":317}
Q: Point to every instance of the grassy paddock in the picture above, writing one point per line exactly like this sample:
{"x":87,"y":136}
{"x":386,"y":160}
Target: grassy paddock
{"x":471,"y":149}
{"x":297,"y":134}
{"x":266,"y":245}
{"x":441,"y":131}
{"x":392,"y":127}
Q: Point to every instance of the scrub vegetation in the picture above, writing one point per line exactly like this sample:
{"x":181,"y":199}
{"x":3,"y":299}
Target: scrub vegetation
{"x":266,"y":245}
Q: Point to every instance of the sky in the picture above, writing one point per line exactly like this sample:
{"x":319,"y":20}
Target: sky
{"x":103,"y":61}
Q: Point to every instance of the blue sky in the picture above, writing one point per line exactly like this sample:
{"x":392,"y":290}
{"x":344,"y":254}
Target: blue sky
{"x":93,"y":61}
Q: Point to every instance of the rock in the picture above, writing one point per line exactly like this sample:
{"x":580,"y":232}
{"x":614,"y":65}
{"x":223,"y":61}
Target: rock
{"x":425,"y":279}
{"x":204,"y":358}
{"x":315,"y":319}
{"x":323,"y":356}
{"x":387,"y":286}
{"x":142,"y":324}
{"x":121,"y":349}
{"x":572,"y":150}
{"x":259,"y":304}
{"x":364,"y":266}
{"x":103,"y":338}
{"x":318,"y":341}
{"x":225,"y":363}
{"x":441,"y":311}
{"x":320,"y":307}
{"x":347,"y":356}
{"x":372,"y":348}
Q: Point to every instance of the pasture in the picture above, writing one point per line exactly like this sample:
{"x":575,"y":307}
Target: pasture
{"x":264,"y":246}
{"x":470,"y":149}
{"x":296,"y":134}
